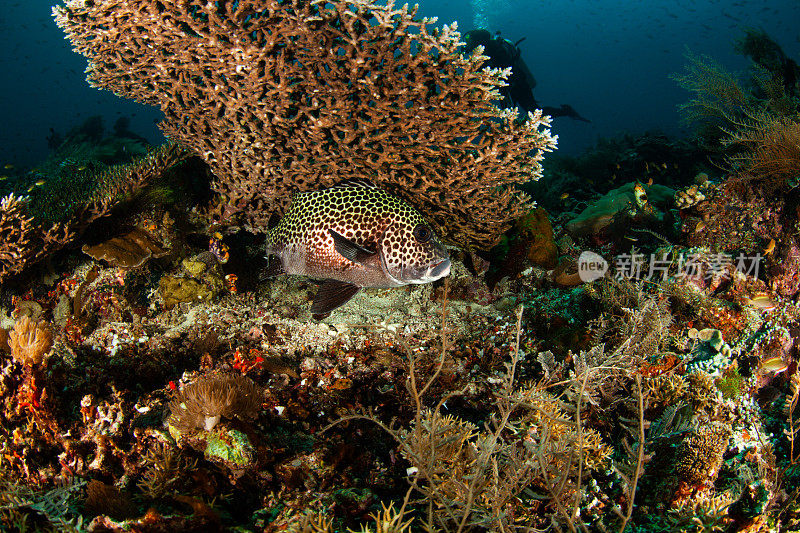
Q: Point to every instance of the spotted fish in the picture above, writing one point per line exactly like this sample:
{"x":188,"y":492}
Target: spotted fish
{"x":354,"y":235}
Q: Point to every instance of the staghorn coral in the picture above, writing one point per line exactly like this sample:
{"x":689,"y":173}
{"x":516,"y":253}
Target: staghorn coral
{"x":164,"y":466}
{"x":285,"y":96}
{"x":666,"y":389}
{"x":202,"y":403}
{"x":30,"y":341}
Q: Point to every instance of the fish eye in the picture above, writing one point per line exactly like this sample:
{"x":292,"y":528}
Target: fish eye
{"x":422,"y":233}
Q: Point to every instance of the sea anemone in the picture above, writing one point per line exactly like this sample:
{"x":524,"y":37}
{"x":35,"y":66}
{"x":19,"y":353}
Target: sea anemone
{"x":30,"y":341}
{"x":202,"y":403}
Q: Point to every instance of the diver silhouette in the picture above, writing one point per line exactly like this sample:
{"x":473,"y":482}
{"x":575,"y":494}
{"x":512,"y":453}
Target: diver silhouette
{"x":503,"y":53}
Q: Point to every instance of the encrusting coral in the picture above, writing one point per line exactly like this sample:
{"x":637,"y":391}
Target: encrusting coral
{"x":286,"y":96}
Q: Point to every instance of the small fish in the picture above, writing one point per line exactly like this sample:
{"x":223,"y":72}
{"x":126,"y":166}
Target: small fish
{"x":639,"y":194}
{"x":8,"y":166}
{"x":81,"y":168}
{"x":774,"y":364}
{"x":354,"y":235}
{"x":664,"y":166}
{"x":564,"y":196}
{"x":706,"y":334}
{"x":650,"y":182}
{"x":761,"y":301}
{"x":3,"y":178}
{"x":39,"y":183}
{"x":700,"y":227}
{"x":770,"y":247}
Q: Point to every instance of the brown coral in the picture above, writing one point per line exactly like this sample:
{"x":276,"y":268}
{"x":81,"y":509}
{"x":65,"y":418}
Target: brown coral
{"x":700,"y":454}
{"x":24,"y":239}
{"x":22,"y":242}
{"x":202,"y":403}
{"x":281,"y":96}
{"x":5,"y":347}
{"x":102,"y":499}
{"x":30,"y":341}
{"x":130,"y":250}
{"x":771,"y":148}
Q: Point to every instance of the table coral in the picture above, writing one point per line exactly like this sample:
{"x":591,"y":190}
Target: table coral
{"x":284,"y":96}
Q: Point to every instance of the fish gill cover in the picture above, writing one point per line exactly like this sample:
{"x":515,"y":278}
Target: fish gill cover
{"x":285,"y":96}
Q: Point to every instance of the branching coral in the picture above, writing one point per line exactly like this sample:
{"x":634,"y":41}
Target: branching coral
{"x":22,"y":242}
{"x":28,"y":232}
{"x":281,"y":96}
{"x":202,"y":403}
{"x":759,"y":127}
{"x":718,"y":94}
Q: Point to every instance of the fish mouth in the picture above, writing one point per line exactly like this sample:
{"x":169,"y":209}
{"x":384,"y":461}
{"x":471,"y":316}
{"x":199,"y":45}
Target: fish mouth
{"x":437,"y":270}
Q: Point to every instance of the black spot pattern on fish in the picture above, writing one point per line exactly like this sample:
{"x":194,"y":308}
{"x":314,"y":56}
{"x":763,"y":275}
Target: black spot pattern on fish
{"x":363,"y":214}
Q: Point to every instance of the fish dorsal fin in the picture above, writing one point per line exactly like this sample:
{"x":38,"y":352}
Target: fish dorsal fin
{"x":332,"y":294}
{"x":354,"y":182}
{"x":350,"y":250}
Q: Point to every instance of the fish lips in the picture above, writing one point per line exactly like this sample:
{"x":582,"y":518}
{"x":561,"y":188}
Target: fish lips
{"x":430,"y":273}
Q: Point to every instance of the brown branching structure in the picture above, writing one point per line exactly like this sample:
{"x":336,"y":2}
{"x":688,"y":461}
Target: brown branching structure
{"x":757,"y":126}
{"x":770,"y":147}
{"x":285,"y":96}
{"x":24,"y":239}
{"x":717,"y":95}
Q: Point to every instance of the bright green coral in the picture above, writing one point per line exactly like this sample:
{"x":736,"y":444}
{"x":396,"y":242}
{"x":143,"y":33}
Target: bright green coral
{"x":230,"y":446}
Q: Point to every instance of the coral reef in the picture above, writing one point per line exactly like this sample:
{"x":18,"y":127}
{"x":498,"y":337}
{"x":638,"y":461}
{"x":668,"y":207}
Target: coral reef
{"x":30,"y":341}
{"x":29,"y":233}
{"x":159,"y":384}
{"x":284,"y":96}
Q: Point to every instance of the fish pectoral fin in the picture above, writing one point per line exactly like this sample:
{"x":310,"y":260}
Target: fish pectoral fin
{"x":350,"y":250}
{"x":274,"y":268}
{"x":332,"y":294}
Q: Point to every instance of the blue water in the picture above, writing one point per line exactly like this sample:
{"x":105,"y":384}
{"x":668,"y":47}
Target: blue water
{"x":610,"y":60}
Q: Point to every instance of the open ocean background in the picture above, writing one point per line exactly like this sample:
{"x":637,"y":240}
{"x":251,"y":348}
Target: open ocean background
{"x":610,"y":60}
